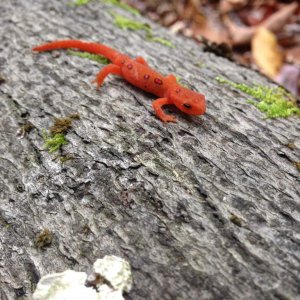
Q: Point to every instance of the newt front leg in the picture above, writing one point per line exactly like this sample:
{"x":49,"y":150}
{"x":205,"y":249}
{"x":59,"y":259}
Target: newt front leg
{"x":157,"y":106}
{"x":141,"y":60}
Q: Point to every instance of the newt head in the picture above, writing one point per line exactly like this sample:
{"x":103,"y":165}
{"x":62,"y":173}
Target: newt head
{"x":187,"y":101}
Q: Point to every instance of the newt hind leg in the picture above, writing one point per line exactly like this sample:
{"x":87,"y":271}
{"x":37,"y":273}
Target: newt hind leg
{"x":157,"y":106}
{"x":109,"y":69}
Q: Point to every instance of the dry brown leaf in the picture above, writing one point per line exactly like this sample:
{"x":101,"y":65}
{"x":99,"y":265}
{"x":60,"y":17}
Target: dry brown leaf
{"x":266,"y":52}
{"x":227,"y":6}
{"x":217,"y":35}
{"x":240,"y":35}
{"x":276,"y":21}
{"x":257,"y":13}
{"x":211,"y":28}
{"x":243,"y":35}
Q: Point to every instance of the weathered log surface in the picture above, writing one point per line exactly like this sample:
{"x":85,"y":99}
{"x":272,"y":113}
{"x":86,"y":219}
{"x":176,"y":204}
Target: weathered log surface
{"x":159,"y":195}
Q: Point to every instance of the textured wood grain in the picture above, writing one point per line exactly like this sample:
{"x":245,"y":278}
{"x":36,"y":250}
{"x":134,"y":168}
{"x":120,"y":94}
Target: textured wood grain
{"x":208,"y":208}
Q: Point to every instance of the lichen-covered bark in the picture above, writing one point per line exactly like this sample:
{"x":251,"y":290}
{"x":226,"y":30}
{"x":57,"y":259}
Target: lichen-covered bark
{"x":208,"y":208}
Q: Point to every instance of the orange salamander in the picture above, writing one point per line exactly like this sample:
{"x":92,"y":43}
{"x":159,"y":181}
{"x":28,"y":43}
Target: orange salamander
{"x":138,"y":73}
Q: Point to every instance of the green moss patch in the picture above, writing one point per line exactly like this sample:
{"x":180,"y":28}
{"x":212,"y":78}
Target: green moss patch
{"x":81,"y":2}
{"x":159,"y":40}
{"x":274,"y":102}
{"x":125,"y":23}
{"x":56,"y":139}
{"x":124,"y":6}
{"x":55,"y":142}
{"x":117,"y":3}
{"x":95,"y":57}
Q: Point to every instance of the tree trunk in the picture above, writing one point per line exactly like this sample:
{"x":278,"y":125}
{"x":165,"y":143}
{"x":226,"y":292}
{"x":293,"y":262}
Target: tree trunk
{"x":207,"y":208}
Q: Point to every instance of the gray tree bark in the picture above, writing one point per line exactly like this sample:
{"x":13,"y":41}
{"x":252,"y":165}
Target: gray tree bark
{"x":208,"y":208}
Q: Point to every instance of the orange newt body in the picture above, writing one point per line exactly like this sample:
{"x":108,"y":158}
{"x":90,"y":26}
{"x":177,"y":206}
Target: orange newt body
{"x":138,"y":73}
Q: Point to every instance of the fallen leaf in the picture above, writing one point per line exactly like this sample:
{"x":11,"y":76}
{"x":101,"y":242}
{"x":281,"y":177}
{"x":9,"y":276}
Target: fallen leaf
{"x":211,"y":28}
{"x":276,"y":21}
{"x":212,"y":33}
{"x":242,"y":35}
{"x":266,"y":52}
{"x":257,"y":14}
{"x":227,"y":6}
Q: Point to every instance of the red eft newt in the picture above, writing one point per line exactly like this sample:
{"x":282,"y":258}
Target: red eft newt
{"x":138,"y":73}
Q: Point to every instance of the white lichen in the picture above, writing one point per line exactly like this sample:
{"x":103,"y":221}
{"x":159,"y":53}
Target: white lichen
{"x":112,"y":276}
{"x":116,"y":270}
{"x":66,"y":285}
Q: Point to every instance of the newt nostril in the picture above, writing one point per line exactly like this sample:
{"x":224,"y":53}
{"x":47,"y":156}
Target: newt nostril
{"x":186,"y":105}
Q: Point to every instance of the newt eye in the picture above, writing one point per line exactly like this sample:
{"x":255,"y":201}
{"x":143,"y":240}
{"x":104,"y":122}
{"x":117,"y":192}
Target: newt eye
{"x":186,"y":105}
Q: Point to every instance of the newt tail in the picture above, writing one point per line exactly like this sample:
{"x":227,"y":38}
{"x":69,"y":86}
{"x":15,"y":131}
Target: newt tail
{"x":138,"y":73}
{"x":110,"y":53}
